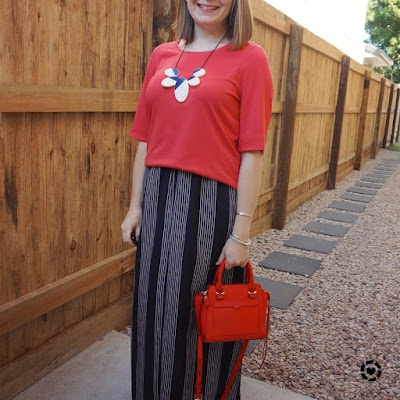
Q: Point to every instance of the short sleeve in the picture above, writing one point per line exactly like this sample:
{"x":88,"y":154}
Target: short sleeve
{"x":256,"y":98}
{"x":140,"y":123}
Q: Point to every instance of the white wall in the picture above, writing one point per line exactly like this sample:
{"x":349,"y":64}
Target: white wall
{"x":339,"y":22}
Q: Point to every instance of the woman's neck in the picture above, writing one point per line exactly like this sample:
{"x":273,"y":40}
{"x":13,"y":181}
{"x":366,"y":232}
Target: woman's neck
{"x":207,"y":39}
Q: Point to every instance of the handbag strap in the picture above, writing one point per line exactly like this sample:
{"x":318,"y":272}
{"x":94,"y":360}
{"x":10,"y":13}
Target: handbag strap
{"x":199,"y":369}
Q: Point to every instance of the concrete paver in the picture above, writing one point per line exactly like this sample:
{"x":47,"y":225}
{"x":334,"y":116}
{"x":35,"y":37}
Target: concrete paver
{"x":102,"y":372}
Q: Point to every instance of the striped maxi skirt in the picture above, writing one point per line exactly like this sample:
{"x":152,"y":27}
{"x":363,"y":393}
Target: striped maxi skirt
{"x":186,"y":221}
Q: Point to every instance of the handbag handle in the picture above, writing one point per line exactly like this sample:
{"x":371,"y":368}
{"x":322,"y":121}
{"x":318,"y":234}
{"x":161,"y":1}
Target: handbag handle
{"x":218,"y":277}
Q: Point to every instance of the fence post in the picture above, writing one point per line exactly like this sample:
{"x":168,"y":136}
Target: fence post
{"x":398,"y":124}
{"x":363,"y":119}
{"x":163,"y":17}
{"x":287,"y":128}
{"x":378,"y":118}
{"x":388,"y":115}
{"x":395,"y":116}
{"x":337,"y":131}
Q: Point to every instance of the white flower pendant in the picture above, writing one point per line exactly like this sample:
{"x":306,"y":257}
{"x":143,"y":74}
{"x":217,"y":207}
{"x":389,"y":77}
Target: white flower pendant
{"x":182,"y":84}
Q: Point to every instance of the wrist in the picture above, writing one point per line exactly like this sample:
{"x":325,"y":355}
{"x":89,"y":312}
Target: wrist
{"x":135,"y":210}
{"x":242,"y":230}
{"x":237,"y":239}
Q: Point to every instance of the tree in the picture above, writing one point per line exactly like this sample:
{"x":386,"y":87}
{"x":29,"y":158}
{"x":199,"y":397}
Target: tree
{"x":383,"y":26}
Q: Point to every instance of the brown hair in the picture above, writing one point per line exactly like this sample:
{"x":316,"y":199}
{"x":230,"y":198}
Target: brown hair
{"x":240,"y":23}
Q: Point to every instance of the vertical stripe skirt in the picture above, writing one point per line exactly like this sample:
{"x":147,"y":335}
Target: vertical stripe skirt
{"x":185,"y":223}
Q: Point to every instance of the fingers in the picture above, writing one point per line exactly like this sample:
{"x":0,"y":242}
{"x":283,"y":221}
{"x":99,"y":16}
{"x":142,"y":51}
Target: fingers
{"x":137,"y":232}
{"x":131,"y":224}
{"x":126,"y":237}
{"x":221,"y":257}
{"x":236,"y":255}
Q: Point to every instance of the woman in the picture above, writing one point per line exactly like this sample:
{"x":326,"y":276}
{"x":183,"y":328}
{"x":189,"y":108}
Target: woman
{"x":201,"y":123}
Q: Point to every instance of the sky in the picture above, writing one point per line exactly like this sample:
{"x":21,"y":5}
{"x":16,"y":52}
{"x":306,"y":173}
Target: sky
{"x":339,"y":22}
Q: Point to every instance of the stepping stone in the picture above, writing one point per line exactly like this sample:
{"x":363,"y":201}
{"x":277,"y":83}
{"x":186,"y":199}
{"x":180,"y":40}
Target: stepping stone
{"x":384,"y":168}
{"x":369,"y":185}
{"x":346,"y":206}
{"x":355,"y":189}
{"x":311,"y":244}
{"x":326,"y":229}
{"x":384,"y":178}
{"x":356,"y":197}
{"x":372,"y":179}
{"x":381,"y":172}
{"x":291,"y":263}
{"x":282,"y":294}
{"x":378,"y":176}
{"x":338,"y":216}
{"x":386,"y":165}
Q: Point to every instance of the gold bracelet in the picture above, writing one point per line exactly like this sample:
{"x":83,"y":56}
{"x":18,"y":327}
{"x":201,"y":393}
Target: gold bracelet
{"x":244,"y":214}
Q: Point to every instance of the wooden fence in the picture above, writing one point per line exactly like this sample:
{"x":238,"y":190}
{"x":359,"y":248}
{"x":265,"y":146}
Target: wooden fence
{"x":70,"y":75}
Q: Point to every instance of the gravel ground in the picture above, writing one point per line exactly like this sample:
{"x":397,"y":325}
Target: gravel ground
{"x":348,"y":312}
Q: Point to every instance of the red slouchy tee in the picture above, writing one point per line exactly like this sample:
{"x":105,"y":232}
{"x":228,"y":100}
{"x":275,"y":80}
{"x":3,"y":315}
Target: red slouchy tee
{"x":228,"y":113}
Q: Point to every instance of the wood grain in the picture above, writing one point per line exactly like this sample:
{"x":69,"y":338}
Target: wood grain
{"x":37,"y":98}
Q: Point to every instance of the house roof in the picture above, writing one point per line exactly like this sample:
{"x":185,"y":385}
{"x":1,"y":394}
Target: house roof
{"x":375,"y":57}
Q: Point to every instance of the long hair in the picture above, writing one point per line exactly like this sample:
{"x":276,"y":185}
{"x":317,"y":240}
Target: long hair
{"x":240,"y":23}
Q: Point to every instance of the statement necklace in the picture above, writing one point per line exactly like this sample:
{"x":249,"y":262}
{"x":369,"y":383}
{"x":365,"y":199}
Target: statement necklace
{"x":182,"y":84}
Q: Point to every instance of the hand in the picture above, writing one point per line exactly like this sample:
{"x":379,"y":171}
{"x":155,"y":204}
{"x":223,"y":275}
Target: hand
{"x":235,"y":254}
{"x":132,"y":223}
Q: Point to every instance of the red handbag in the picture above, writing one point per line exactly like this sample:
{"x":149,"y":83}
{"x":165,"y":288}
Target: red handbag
{"x":231,"y":312}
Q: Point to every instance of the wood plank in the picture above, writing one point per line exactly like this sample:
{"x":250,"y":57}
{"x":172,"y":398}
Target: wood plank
{"x":261,"y":225}
{"x":378,"y":119}
{"x":74,"y":22}
{"x":266,"y":196}
{"x":277,"y":107}
{"x":337,"y":130}
{"x":163,"y":19}
{"x":395,"y":116}
{"x":287,"y":129}
{"x":32,"y":305}
{"x":103,"y":191}
{"x":36,"y":199}
{"x":56,"y":196}
{"x":3,"y":350}
{"x":315,"y":109}
{"x":270,"y":16}
{"x":37,"y":98}
{"x":16,"y":277}
{"x":398,"y":132}
{"x":29,"y":368}
{"x":92,"y":31}
{"x":120,"y":27}
{"x":117,"y":184}
{"x":363,"y":118}
{"x":352,"y":110}
{"x":356,"y":67}
{"x":376,"y":76}
{"x":57,"y":41}
{"x":319,"y":44}
{"x":107,"y":23}
{"x":347,"y":157}
{"x":307,"y":176}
